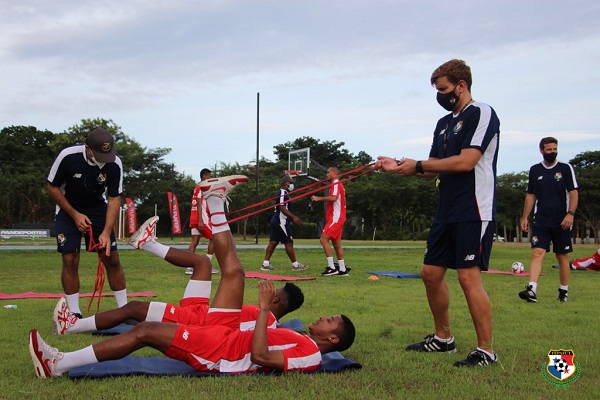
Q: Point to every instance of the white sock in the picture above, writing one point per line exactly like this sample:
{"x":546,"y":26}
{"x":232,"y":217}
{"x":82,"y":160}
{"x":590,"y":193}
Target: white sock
{"x":266,"y":263}
{"x":73,"y":303}
{"x":76,"y":359}
{"x":217,"y":214}
{"x":563,"y":287}
{"x":342,"y":265}
{"x":330,"y":262}
{"x":210,"y":256}
{"x":158,"y":249}
{"x":120,"y":297}
{"x":156,"y":311}
{"x":83,"y":325}
{"x":295,"y":264}
{"x":533,"y":286}
{"x":196,"y":288}
{"x":439,"y":339}
{"x":492,"y":355}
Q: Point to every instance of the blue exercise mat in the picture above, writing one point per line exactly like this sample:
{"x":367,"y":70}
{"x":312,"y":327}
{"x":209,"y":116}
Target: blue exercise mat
{"x":161,"y":366}
{"x":395,"y":274}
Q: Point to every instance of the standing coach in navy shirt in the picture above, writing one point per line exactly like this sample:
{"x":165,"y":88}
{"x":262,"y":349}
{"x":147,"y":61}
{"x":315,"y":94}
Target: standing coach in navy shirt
{"x":86,"y":182}
{"x":552,"y":189}
{"x":463,"y":156}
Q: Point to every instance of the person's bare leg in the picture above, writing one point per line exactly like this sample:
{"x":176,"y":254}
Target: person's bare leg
{"x":535,"y":268}
{"x":339,"y":250}
{"x":564,"y":271}
{"x":114,"y":271}
{"x":479,"y":305}
{"x":289,"y":250}
{"x":194,"y":243}
{"x":70,"y":273}
{"x":326,"y":246}
{"x":158,"y":335}
{"x":438,"y":297}
{"x":270,"y":249}
{"x":136,"y":310}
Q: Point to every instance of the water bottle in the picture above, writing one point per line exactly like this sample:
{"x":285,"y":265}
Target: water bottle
{"x":11,"y":306}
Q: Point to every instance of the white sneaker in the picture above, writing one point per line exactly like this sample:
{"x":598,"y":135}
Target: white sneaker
{"x":221,"y":186}
{"x":62,"y":318}
{"x":267,"y":267}
{"x":189,"y":271}
{"x":43,"y":356}
{"x":300,"y":267}
{"x":146,"y":233}
{"x":215,"y":271}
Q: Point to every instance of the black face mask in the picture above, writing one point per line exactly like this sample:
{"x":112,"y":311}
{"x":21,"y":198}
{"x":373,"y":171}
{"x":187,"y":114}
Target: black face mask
{"x":448,"y":100}
{"x":550,"y":157}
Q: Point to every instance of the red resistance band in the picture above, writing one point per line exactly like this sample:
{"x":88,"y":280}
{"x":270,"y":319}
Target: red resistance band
{"x":99,"y":283}
{"x":308,"y":190}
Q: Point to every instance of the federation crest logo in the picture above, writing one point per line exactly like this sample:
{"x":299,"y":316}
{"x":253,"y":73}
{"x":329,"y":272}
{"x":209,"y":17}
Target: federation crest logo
{"x":106,"y":147}
{"x":558,"y":176}
{"x":61,"y":239}
{"x":458,"y":126}
{"x":101,"y":179}
{"x":534,"y":240}
{"x":561,"y":369}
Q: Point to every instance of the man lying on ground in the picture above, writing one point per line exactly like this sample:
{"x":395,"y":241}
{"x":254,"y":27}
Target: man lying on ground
{"x":192,"y":308}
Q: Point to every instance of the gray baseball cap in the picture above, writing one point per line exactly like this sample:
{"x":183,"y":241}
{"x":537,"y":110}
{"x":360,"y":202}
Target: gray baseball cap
{"x":102,"y":144}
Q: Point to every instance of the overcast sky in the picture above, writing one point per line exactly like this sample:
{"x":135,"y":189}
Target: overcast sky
{"x":185,"y":74}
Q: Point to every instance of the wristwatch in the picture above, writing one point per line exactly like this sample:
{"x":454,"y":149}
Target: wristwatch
{"x":419,"y":168}
{"x":571,"y":212}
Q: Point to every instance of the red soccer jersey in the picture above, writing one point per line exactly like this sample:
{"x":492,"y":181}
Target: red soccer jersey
{"x":336,"y":210}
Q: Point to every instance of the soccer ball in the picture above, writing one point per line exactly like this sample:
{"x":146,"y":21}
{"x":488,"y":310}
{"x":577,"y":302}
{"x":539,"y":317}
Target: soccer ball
{"x":517,"y":267}
{"x":561,"y":366}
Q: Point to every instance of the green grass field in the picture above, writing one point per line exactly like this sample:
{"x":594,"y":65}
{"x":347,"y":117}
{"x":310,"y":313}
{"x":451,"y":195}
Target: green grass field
{"x":389,"y":314}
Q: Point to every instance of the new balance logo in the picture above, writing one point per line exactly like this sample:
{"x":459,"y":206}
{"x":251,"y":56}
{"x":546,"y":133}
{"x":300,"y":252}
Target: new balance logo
{"x":470,"y":257}
{"x":77,"y":176}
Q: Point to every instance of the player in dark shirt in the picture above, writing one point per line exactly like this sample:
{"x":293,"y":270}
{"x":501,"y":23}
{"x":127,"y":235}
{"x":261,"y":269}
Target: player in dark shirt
{"x":86,"y":182}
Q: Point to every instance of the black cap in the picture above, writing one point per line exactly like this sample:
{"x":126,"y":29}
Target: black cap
{"x":102,"y":144}
{"x":287,"y":178}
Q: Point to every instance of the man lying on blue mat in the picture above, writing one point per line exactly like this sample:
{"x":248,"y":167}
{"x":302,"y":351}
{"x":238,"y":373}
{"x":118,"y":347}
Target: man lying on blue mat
{"x":219,"y":345}
{"x":194,"y":305}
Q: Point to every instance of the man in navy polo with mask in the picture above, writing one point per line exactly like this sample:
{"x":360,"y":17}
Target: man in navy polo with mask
{"x":463,"y":157}
{"x":86,"y":182}
{"x":552,"y":188}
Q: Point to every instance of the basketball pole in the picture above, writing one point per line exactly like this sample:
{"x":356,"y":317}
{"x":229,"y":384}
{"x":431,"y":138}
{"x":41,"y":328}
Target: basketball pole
{"x":257,"y":155}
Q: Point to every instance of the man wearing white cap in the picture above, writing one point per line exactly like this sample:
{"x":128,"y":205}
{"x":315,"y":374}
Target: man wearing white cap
{"x":86,"y":182}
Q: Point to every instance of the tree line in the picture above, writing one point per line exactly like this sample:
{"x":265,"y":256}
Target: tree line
{"x":380,"y":206}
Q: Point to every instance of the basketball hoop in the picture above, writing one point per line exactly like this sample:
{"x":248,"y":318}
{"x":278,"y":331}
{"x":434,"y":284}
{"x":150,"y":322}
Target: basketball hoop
{"x":291,"y":172}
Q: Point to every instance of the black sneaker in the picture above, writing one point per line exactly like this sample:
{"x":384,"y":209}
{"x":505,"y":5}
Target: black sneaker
{"x":431,"y":344}
{"x":477,"y":358}
{"x":563,"y":295}
{"x":528,"y":294}
{"x":329,"y":272}
{"x":343,"y":273}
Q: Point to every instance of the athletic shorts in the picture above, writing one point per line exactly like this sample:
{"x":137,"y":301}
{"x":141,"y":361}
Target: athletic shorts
{"x":190,"y":311}
{"x":206,"y":232}
{"x":560,"y":238}
{"x":68,"y":237}
{"x":202,"y":347}
{"x":281,"y":234}
{"x":334,"y":229}
{"x":460,"y":245}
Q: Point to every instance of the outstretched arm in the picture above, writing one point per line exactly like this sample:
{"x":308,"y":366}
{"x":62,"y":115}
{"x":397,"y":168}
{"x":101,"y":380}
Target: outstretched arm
{"x":260,"y":353}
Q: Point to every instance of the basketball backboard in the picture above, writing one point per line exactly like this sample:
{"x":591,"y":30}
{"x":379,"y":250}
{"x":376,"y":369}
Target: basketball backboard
{"x":299,"y":160}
